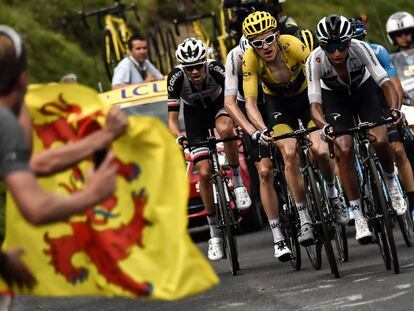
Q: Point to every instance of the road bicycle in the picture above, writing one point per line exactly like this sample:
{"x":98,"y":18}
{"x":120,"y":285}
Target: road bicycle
{"x":376,"y":200}
{"x":116,"y":32}
{"x":323,"y":220}
{"x":224,"y":201}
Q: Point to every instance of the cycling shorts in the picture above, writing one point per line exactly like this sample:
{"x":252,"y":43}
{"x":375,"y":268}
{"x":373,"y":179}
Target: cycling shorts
{"x":198,"y":121}
{"x":368,"y":102}
{"x":283,"y":112}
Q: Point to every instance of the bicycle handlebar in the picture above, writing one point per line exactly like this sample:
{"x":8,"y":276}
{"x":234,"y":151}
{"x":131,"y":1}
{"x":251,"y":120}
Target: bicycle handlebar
{"x":362,"y":127}
{"x":212,"y":141}
{"x":297,"y":133}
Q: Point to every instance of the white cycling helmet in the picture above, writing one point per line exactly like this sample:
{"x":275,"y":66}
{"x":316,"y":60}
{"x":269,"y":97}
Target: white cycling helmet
{"x":244,"y":44}
{"x":191,"y":52}
{"x":333,"y":28}
{"x":397,"y":22}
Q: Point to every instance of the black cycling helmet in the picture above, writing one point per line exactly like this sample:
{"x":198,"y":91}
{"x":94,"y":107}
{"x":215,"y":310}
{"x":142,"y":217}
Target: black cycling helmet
{"x":333,"y":28}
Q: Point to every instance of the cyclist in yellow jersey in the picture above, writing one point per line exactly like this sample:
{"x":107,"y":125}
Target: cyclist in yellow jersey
{"x":279,"y":62}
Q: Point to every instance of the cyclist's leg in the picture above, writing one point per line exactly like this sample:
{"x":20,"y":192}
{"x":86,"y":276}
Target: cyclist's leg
{"x":320,"y":156}
{"x":374,"y":109}
{"x":339,"y":112}
{"x":197,"y":125}
{"x":283,"y":120}
{"x":268,"y":196}
{"x":225,"y":127}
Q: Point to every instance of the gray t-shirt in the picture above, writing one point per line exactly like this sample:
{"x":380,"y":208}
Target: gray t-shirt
{"x":128,"y":71}
{"x":14,"y":153}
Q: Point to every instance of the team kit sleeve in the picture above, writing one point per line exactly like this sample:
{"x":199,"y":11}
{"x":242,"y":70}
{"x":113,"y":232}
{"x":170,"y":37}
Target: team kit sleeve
{"x":250,"y":78}
{"x":231,"y":80}
{"x":174,"y":84}
{"x":367,"y":56}
{"x":313,"y":77}
{"x":14,"y":153}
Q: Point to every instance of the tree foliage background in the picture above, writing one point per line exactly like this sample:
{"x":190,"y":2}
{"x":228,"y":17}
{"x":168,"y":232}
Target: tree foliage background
{"x":59,"y":44}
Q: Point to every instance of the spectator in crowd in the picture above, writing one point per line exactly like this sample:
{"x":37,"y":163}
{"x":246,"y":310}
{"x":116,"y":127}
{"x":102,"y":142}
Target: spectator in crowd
{"x":36,"y":205}
{"x":135,"y":67}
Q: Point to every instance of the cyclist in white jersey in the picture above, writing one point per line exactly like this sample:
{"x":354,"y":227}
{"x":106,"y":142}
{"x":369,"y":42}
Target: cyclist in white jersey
{"x":346,"y":79}
{"x":199,"y":84}
{"x":233,"y":97}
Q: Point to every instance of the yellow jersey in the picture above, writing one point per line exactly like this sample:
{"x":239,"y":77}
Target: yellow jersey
{"x":294,"y":54}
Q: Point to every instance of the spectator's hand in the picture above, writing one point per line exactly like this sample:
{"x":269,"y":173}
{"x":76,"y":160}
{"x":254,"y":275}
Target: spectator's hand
{"x":116,"y":122}
{"x":14,"y":271}
{"x":150,"y":78}
{"x":101,"y":183}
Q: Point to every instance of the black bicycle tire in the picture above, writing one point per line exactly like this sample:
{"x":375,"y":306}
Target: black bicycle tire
{"x":227,"y":230}
{"x":341,"y":239}
{"x":109,"y":67}
{"x":291,"y":233}
{"x":405,"y":227}
{"x":386,"y":219}
{"x":314,"y":251}
{"x":315,"y":192}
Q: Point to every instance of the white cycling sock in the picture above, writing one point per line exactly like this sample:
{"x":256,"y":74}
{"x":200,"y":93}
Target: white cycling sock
{"x":236,"y":180}
{"x":356,"y":208}
{"x":303,"y":214}
{"x":276,"y":231}
{"x":212,"y":223}
{"x":331,"y":190}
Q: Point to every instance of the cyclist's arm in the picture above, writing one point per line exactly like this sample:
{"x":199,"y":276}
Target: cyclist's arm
{"x":54,"y":160}
{"x":250,"y":88}
{"x":231,"y":85}
{"x":313,"y":75}
{"x":378,"y":73}
{"x":385,"y":60}
{"x":174,"y":85}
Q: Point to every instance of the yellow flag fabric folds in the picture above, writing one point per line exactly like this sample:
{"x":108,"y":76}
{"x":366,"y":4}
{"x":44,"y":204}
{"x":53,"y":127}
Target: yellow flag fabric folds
{"x":133,"y":244}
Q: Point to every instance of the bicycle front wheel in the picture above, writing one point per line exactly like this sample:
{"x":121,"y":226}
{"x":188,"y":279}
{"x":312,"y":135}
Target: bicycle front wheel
{"x":383,"y":209}
{"x":341,"y":242}
{"x":227,"y":224}
{"x":320,"y":202}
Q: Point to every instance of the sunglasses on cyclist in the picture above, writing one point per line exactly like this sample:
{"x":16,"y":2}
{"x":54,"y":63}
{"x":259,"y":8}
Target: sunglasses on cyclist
{"x":197,"y":67}
{"x":405,"y":32}
{"x":258,"y":44}
{"x":332,"y":47}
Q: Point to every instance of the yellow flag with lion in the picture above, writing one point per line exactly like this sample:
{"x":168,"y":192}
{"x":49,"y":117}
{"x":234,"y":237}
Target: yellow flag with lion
{"x":133,"y":244}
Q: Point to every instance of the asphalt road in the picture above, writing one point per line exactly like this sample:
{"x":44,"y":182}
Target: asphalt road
{"x":266,"y":284}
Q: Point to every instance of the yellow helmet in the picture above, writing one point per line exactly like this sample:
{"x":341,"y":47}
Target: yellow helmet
{"x":257,"y":23}
{"x":307,"y":37}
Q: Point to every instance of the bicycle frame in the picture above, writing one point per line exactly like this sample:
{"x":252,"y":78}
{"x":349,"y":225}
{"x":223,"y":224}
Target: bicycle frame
{"x":120,"y":35}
